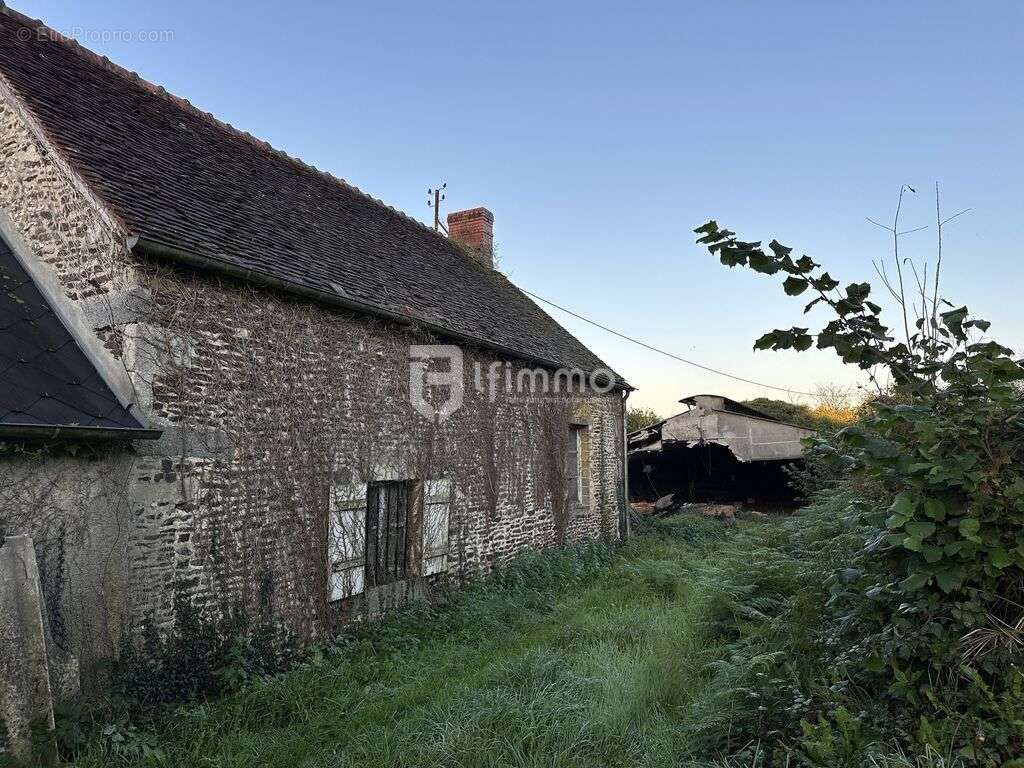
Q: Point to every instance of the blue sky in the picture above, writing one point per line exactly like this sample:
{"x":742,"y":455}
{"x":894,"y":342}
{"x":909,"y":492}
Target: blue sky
{"x":600,"y":134}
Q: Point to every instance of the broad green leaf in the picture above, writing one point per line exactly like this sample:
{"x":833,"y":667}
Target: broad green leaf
{"x":969,"y":527}
{"x":882,"y":449}
{"x":825,"y":283}
{"x":846,"y":307}
{"x":949,"y":580}
{"x":953,"y":320}
{"x":762,"y":262}
{"x":827,"y":339}
{"x":919,"y":529}
{"x":779,"y":249}
{"x":802,"y":342}
{"x":768,"y":340}
{"x":935,"y":509}
{"x":902,"y":508}
{"x":805,"y":264}
{"x":794,"y":286}
{"x":914,"y":582}
{"x":732,"y":258}
{"x":955,"y":547}
{"x":893,"y":522}
{"x":874,"y":664}
{"x":810,"y":306}
{"x":903,"y":505}
{"x":857,"y":292}
{"x":1001,"y":558}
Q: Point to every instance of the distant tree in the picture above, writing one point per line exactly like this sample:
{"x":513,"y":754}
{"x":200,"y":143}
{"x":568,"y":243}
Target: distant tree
{"x":836,"y":406}
{"x":791,"y":413}
{"x":833,"y":407}
{"x":638,"y":418}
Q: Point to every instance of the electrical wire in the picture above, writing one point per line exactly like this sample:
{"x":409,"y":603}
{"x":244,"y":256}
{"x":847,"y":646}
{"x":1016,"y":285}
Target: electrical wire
{"x":651,"y":347}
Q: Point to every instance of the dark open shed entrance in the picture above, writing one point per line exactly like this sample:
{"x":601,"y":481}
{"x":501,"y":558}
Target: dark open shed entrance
{"x":708,"y":473}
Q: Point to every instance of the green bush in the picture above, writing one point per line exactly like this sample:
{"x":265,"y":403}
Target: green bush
{"x":204,"y":653}
{"x":928,"y":620}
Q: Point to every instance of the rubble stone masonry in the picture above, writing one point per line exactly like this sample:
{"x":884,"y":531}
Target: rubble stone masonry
{"x":267,"y":402}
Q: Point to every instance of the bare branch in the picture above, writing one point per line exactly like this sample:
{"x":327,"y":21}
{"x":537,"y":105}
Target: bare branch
{"x":896,"y":258}
{"x":912,"y":231}
{"x":955,"y":216}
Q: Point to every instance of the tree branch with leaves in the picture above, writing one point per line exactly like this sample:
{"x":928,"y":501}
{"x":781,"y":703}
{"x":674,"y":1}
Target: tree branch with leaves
{"x":942,"y":580}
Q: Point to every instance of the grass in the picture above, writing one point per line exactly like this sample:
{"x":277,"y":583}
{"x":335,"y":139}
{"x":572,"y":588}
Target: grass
{"x":689,"y":643}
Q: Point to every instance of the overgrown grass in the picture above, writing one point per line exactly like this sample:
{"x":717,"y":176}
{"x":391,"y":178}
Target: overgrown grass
{"x":693,"y":644}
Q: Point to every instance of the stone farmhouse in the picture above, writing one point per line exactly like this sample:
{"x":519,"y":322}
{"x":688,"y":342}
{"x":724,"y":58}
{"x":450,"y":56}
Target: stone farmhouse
{"x":230,"y":377}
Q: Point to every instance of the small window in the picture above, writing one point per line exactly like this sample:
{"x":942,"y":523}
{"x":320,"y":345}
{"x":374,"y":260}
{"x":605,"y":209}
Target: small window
{"x":369,"y":536}
{"x":577,"y":461}
{"x":387,"y":522}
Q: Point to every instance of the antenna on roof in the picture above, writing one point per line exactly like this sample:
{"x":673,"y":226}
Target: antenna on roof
{"x":434,"y":201}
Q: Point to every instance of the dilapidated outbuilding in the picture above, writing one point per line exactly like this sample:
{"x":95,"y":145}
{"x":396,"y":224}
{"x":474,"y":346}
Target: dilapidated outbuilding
{"x":718,"y":450}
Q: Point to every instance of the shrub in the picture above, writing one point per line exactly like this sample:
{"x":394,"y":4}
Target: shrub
{"x":933,"y":606}
{"x":638,"y":418}
{"x":204,"y":653}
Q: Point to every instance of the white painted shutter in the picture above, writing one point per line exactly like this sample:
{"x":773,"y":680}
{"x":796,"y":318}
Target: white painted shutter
{"x":436,"y":514}
{"x":346,"y":545}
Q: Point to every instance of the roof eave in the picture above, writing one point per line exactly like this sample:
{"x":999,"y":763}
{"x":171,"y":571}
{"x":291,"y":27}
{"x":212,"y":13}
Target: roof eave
{"x":159,"y":250}
{"x":76,"y":433}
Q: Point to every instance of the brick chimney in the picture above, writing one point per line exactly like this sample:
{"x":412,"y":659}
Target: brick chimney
{"x":474,"y":230}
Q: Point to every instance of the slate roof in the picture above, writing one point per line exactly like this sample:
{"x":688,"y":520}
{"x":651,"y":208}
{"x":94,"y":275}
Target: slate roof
{"x":178,"y":177}
{"x":46,"y":381}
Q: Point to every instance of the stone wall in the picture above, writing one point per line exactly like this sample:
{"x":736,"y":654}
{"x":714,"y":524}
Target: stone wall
{"x":267,"y":402}
{"x":76,"y":504}
{"x":275,"y":400}
{"x":64,"y":225}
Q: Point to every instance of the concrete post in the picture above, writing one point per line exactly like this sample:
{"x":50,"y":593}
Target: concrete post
{"x":25,"y":699}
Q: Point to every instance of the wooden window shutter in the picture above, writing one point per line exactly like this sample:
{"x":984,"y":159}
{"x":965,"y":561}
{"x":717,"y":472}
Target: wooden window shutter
{"x":437,"y":498}
{"x":346,"y":542}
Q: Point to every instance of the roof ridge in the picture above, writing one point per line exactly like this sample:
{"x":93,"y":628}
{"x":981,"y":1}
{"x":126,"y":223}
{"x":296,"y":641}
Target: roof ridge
{"x":182,"y":103}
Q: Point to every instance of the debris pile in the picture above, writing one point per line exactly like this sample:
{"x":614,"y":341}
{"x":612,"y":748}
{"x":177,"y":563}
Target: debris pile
{"x":670,"y":505}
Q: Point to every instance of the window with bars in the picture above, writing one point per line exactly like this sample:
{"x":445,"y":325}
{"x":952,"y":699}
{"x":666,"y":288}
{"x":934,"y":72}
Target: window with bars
{"x":387,"y":522}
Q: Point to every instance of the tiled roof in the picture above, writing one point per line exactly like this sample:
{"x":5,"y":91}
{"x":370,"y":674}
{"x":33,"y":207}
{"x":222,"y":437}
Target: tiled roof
{"x":46,"y":381}
{"x":178,"y":177}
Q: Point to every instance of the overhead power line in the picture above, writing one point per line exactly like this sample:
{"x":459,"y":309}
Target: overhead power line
{"x":651,"y":347}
